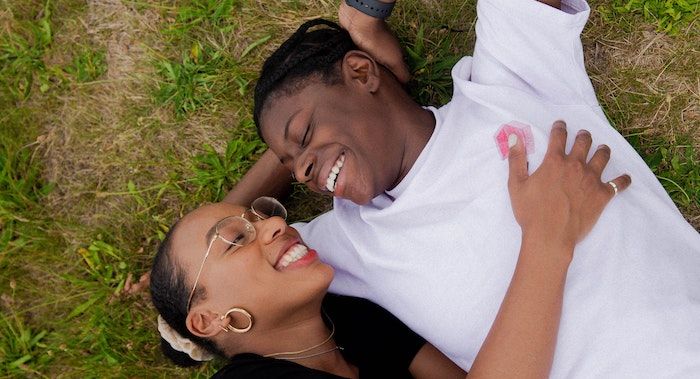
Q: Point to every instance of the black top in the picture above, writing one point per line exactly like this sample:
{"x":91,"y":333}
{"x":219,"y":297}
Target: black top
{"x":373,"y":340}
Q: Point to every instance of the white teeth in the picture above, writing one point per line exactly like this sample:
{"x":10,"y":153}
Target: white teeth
{"x":333,"y":175}
{"x":292,"y":255}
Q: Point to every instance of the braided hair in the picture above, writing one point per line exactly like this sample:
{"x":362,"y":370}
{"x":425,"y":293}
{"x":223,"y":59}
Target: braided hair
{"x":169,"y":293}
{"x":304,"y":55}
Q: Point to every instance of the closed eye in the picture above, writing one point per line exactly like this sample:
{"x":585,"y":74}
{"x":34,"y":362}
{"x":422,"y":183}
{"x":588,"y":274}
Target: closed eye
{"x":306,"y":134}
{"x":239,"y":239}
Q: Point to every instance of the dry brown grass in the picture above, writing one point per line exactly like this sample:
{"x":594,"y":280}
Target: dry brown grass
{"x":108,"y":132}
{"x":648,"y":82}
{"x":659,"y":72}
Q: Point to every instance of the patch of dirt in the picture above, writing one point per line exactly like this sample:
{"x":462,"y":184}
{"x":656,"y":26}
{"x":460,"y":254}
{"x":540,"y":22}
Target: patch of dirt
{"x":109,"y":132}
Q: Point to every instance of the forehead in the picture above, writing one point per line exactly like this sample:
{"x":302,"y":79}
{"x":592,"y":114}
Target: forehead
{"x":285,"y":104}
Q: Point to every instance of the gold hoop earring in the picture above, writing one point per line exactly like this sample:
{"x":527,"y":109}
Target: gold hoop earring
{"x":232,"y":328}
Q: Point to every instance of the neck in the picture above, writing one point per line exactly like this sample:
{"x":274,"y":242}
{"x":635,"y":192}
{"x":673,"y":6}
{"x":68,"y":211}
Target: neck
{"x":418,"y":125}
{"x":310,"y":337}
{"x":332,"y":362}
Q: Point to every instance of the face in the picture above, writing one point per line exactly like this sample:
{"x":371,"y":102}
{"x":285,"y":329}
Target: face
{"x":272,"y":276}
{"x":336,"y":139}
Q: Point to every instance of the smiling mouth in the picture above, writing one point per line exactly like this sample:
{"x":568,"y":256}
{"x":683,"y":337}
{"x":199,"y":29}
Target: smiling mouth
{"x":293,"y":254}
{"x":335,"y":172}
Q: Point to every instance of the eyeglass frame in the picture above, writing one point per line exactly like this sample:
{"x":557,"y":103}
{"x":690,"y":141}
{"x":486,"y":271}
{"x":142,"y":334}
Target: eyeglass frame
{"x":248,"y":224}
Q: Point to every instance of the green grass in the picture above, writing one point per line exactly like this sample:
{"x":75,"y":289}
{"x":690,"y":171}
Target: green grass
{"x":678,"y":170}
{"x":88,"y":65}
{"x":431,"y":84}
{"x":21,"y":346}
{"x":21,"y":56}
{"x":671,"y":16}
{"x":197,"y":13}
{"x":217,"y":173}
{"x":118,"y":117}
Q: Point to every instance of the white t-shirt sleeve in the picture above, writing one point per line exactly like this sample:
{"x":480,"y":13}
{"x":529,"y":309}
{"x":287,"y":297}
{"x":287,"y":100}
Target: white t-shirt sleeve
{"x":533,"y":47}
{"x":326,"y":235}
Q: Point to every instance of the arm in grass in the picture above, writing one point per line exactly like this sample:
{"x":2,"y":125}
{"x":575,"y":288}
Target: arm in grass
{"x":374,"y":36}
{"x":267,"y":177}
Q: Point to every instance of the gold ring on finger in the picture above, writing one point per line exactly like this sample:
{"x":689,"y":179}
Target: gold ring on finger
{"x":614,"y":187}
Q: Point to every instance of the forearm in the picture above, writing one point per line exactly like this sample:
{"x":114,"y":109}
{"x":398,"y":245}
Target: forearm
{"x":267,"y":177}
{"x":431,"y":363}
{"x":522,"y":339}
{"x":552,"y":3}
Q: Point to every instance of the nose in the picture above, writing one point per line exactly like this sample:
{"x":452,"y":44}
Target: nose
{"x":303,"y":169}
{"x":269,"y":229}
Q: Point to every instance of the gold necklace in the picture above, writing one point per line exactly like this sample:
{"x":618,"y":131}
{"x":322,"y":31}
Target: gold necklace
{"x":314,"y":355}
{"x":281,"y":354}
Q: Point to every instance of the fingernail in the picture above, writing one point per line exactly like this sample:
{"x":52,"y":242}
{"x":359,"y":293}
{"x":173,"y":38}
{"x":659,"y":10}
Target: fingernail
{"x":603,"y":146}
{"x":560,"y":124}
{"x":512,"y":140}
{"x":582,"y":132}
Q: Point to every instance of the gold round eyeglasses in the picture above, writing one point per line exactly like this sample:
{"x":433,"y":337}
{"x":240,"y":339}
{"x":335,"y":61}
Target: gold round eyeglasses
{"x":238,"y":231}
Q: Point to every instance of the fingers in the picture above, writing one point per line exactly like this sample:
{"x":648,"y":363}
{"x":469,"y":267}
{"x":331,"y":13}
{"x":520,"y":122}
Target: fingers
{"x":557,"y":139}
{"x":599,"y":160}
{"x":517,"y":160}
{"x":597,"y":164}
{"x":581,"y":146}
{"x":618,"y":184}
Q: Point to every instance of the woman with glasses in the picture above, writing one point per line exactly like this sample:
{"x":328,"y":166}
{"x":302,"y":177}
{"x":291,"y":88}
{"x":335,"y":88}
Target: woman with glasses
{"x":240,"y":283}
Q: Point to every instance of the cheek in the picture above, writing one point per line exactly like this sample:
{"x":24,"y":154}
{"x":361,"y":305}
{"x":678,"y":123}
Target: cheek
{"x":236,"y":275}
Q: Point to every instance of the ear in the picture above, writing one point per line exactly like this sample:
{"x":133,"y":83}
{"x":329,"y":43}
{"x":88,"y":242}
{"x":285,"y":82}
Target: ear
{"x":204,"y":323}
{"x":359,"y":68}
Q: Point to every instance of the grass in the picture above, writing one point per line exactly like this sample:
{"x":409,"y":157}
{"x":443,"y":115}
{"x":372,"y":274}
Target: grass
{"x":119,"y":116}
{"x":21,"y":56}
{"x":670,"y":16}
{"x":88,"y":65}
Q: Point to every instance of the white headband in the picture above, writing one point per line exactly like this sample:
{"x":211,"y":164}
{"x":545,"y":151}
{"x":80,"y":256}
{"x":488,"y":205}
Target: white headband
{"x":181,"y":343}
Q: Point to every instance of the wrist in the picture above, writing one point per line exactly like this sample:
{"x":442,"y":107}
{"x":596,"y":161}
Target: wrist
{"x":548,"y":246}
{"x":358,"y":23}
{"x":376,"y":9}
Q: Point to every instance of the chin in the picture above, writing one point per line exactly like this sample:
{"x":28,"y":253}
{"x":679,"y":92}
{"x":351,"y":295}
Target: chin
{"x":329,"y":273}
{"x":361,"y":199}
{"x":325,"y":273}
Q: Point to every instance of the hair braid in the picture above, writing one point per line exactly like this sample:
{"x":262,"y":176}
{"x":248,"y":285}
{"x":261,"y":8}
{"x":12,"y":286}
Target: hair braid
{"x":306,"y":54}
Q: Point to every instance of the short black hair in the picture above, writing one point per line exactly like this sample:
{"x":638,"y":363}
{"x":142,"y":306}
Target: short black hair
{"x":169,"y":293}
{"x":306,"y":54}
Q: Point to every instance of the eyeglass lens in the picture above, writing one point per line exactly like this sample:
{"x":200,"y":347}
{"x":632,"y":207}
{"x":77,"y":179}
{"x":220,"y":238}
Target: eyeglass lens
{"x":236,"y":231}
{"x":266,"y":207}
